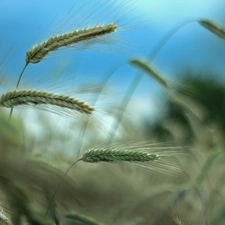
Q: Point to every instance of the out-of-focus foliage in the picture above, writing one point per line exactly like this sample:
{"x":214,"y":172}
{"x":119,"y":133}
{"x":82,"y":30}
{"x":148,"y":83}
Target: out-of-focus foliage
{"x":112,"y":193}
{"x":197,"y":120}
{"x":37,"y":188}
{"x":203,"y":94}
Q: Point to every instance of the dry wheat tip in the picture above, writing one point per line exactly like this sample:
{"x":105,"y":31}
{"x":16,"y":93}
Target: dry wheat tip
{"x":95,"y":155}
{"x":39,"y":51}
{"x":14,"y":98}
{"x":213,"y":27}
{"x":146,"y":67}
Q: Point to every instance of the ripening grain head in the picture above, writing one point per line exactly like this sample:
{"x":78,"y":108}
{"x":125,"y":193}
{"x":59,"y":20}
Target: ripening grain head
{"x":149,"y":156}
{"x":39,"y":51}
{"x":115,"y":155}
{"x":14,"y":98}
{"x":146,"y":67}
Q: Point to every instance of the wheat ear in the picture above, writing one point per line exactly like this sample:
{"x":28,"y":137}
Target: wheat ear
{"x":213,"y":27}
{"x":16,"y":97}
{"x":131,"y":153}
{"x":113,"y":155}
{"x":107,"y":155}
{"x":39,"y":51}
{"x":145,"y":66}
{"x":150,"y":157}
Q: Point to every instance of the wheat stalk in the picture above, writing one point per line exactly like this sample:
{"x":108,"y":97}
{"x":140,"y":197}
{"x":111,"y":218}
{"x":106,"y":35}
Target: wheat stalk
{"x":16,"y":97}
{"x":213,"y":27}
{"x":39,"y":51}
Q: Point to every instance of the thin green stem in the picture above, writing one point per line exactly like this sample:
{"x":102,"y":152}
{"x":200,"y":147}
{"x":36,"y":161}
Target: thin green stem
{"x":166,"y":38}
{"x":59,"y":185}
{"x":21,"y":74}
{"x":17,"y":85}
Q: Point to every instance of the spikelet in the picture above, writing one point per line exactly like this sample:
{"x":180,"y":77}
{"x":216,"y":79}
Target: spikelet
{"x":213,"y":27}
{"x":149,"y":156}
{"x":115,"y":155}
{"x":39,"y":51}
{"x":14,"y":98}
{"x":146,"y":67}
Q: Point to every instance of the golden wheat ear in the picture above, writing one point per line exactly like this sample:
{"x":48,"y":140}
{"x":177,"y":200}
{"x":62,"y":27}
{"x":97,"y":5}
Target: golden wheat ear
{"x":40,"y":51}
{"x":16,"y":97}
{"x":213,"y":27}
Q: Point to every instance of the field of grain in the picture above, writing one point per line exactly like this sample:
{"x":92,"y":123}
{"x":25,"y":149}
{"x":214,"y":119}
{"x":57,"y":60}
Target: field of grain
{"x":74,"y":150}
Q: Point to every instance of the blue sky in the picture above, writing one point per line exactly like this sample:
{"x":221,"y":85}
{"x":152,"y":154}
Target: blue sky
{"x":24,"y":23}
